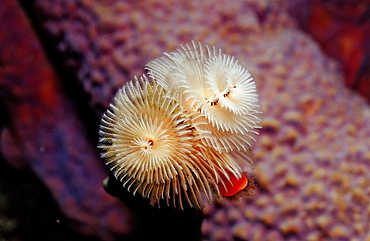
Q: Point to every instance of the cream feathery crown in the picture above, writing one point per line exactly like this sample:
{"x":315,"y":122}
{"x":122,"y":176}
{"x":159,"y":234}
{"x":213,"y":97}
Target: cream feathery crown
{"x":213,"y":84}
{"x":187,"y":134}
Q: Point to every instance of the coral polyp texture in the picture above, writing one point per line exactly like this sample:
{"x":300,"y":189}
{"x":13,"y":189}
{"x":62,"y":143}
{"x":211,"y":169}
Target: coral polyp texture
{"x":312,"y":154}
{"x":156,"y":146}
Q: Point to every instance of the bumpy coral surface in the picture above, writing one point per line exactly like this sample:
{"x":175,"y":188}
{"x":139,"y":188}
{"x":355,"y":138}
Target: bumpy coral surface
{"x":312,"y":157}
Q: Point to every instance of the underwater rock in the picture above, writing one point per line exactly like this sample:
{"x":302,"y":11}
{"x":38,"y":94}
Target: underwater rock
{"x":44,"y":131}
{"x":343,"y":30}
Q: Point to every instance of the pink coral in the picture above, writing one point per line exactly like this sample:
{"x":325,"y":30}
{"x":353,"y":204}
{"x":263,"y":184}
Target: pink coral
{"x":313,"y":155}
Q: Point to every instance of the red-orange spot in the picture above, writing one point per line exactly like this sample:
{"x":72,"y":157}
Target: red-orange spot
{"x":233,"y":186}
{"x":150,"y":142}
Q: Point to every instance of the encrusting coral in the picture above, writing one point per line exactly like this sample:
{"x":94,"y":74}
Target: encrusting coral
{"x":177,"y":137}
{"x":312,"y":155}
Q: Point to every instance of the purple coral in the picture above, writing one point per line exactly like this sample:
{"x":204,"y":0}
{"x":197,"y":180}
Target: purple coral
{"x":313,"y":155}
